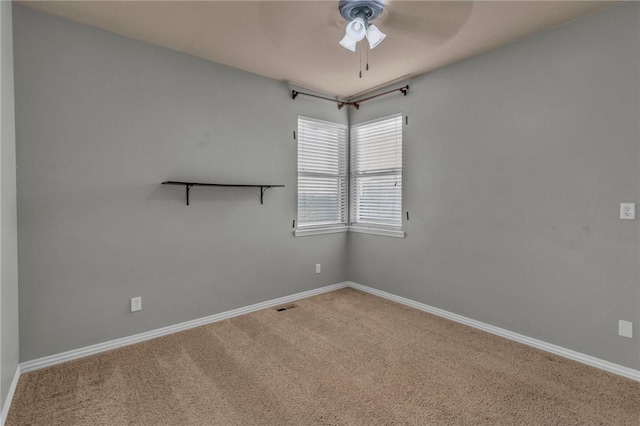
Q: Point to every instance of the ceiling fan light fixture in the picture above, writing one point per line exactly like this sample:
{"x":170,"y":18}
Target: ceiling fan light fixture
{"x":348,"y":43}
{"x":359,"y":14}
{"x":374,"y":36}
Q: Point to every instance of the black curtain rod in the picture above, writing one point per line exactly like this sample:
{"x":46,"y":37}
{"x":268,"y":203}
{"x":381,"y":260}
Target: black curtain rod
{"x":355,"y":104}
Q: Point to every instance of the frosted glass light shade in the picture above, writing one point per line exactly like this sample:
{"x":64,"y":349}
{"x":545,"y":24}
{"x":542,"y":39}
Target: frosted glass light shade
{"x":374,"y":36}
{"x":356,"y":29}
{"x":348,"y":43}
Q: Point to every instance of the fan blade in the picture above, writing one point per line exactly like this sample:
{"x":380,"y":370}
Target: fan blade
{"x":436,"y":21}
{"x":306,"y":23}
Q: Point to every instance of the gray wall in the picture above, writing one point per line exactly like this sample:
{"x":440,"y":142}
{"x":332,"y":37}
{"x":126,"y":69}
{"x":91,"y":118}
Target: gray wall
{"x":515,"y":164}
{"x":101,"y":121}
{"x":8,"y":215}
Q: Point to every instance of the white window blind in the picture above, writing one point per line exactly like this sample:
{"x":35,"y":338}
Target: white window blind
{"x":322,"y":173}
{"x":376,"y":173}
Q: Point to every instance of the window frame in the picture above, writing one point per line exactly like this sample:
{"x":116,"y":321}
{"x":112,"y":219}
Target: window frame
{"x":309,"y":228}
{"x":391,"y":230}
{"x":348,"y":196}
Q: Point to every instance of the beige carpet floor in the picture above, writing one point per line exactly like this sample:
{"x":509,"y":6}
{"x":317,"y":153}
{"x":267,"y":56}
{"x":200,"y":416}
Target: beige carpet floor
{"x":341,"y":358}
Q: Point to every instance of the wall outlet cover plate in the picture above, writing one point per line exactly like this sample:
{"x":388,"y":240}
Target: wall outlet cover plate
{"x":628,"y":211}
{"x":625,"y":329}
{"x":136,"y":304}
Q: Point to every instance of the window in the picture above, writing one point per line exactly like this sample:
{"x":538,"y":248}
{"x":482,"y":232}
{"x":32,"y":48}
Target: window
{"x":322,"y":176}
{"x":376,"y":176}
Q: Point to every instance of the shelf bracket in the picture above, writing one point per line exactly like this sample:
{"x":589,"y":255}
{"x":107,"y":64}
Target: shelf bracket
{"x":263,"y":189}
{"x":187,"y":188}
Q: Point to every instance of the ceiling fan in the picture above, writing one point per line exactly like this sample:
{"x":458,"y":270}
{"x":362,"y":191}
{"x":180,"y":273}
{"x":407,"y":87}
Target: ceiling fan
{"x":294,"y":26}
{"x":360,"y":13}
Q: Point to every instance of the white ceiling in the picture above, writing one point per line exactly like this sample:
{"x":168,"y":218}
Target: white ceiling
{"x":297,"y":41}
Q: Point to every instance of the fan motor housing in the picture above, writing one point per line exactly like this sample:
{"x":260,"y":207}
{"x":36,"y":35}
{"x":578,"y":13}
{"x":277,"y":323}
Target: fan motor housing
{"x":366,"y":9}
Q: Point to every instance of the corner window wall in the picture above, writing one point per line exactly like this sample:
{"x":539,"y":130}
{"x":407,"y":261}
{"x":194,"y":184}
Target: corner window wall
{"x":375,"y":178}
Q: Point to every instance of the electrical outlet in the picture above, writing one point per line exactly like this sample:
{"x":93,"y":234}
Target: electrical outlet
{"x":318,"y":268}
{"x":136,"y":304}
{"x":628,"y":211}
{"x":625,"y":329}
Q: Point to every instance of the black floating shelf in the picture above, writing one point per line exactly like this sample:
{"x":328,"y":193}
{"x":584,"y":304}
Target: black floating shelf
{"x":189,"y":185}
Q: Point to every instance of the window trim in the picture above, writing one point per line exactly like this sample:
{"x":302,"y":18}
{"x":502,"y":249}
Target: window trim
{"x":372,"y":228}
{"x":307,"y":231}
{"x":364,"y":228}
{"x":378,"y":231}
{"x":326,"y":228}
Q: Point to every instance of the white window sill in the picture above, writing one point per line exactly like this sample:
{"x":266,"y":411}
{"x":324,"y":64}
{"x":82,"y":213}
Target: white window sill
{"x":319,"y":231}
{"x":377,"y":231}
{"x":339,"y":229}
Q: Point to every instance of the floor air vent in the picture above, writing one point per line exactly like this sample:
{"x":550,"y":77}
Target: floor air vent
{"x":285,"y":308}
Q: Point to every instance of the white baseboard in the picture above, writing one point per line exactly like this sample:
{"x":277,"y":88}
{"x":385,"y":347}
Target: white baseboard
{"x":539,"y":344}
{"x":48,"y":361}
{"x":7,"y":401}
